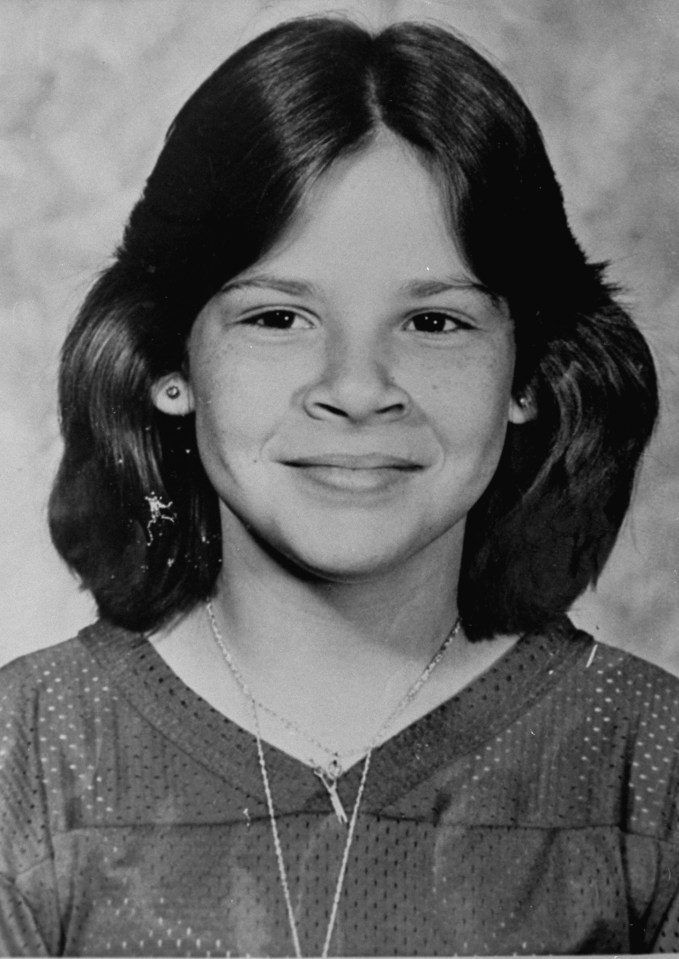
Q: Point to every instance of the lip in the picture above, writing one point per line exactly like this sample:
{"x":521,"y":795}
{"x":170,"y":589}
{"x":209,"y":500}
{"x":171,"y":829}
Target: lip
{"x":369,"y":474}
{"x":351,"y":461}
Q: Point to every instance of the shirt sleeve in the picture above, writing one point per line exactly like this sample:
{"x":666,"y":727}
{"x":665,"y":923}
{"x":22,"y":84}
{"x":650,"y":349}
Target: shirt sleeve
{"x":29,"y":923}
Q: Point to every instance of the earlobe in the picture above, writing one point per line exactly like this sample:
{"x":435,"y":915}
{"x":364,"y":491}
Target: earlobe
{"x":172,"y":394}
{"x":522,"y":408}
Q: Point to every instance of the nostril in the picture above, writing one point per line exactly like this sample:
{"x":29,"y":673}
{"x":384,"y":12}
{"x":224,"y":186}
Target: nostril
{"x":356,"y":393}
{"x":332,"y":410}
{"x":349,"y":412}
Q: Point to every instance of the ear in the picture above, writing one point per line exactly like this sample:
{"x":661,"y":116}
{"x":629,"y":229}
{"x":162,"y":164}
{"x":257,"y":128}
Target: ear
{"x":172,"y":394}
{"x":522,"y":409}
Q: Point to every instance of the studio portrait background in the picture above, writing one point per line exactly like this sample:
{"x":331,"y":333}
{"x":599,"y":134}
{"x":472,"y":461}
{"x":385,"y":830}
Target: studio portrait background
{"x":87,"y":92}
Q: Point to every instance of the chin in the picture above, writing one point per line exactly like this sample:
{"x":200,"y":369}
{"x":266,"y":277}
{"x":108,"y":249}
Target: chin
{"x":357,"y":561}
{"x":354,"y":548}
{"x":350,"y":567}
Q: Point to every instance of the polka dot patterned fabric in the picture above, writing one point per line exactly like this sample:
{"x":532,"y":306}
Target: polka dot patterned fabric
{"x":535,"y":812}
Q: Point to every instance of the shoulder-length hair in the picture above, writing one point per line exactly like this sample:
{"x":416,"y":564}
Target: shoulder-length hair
{"x":236,"y":164}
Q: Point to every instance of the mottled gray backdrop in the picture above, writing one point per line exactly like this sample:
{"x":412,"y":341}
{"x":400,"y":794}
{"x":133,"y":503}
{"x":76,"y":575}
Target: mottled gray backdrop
{"x":87,"y":90}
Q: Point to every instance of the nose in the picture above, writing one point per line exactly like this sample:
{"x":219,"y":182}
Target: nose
{"x":358,"y":384}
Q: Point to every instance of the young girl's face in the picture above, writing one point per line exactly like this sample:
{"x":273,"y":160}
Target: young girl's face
{"x":352,"y":389}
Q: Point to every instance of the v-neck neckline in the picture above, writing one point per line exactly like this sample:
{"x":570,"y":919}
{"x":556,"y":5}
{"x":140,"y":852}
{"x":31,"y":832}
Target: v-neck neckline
{"x":480,"y":710}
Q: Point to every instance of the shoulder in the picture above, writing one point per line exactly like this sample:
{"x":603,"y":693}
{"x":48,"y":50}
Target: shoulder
{"x":63,"y":683}
{"x":34,"y":690}
{"x":624,"y":712}
{"x":58,"y":709}
{"x":38,"y":673}
{"x":603,"y":680}
{"x":593,"y":737}
{"x":620,"y":684}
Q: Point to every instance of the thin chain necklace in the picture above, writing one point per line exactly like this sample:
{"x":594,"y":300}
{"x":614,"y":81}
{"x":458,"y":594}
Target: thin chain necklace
{"x":330,"y":774}
{"x":328,"y":778}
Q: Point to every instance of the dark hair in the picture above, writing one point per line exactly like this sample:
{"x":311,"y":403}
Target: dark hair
{"x":237,"y":162}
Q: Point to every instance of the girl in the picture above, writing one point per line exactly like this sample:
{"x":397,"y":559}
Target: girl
{"x":349,"y":423}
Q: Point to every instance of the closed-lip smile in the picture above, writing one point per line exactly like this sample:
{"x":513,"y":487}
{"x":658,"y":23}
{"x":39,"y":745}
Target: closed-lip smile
{"x":350,"y":474}
{"x":351,"y":461}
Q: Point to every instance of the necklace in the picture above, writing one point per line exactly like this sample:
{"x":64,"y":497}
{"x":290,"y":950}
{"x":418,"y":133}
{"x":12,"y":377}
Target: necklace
{"x":329,"y":777}
{"x":330,"y":774}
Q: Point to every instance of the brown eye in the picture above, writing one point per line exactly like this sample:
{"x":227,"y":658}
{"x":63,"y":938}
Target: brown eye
{"x":278,"y":320}
{"x":434,"y":322}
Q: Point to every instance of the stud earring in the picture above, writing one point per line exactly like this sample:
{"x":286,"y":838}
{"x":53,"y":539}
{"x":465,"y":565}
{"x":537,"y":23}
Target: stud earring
{"x":173,"y":392}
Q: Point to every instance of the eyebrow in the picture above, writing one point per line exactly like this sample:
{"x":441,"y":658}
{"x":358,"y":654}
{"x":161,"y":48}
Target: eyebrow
{"x":417,"y":288}
{"x":268,"y":281}
{"x":433,"y":287}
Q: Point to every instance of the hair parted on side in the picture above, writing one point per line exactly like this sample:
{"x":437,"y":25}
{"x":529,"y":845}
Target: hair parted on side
{"x":237,"y":162}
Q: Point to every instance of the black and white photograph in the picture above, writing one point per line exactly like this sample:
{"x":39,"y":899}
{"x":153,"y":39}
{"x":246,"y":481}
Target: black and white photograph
{"x":340,"y":478}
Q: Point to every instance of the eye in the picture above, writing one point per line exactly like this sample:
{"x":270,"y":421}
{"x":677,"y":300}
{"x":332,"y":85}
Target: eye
{"x":278,"y":320}
{"x":433,"y":321}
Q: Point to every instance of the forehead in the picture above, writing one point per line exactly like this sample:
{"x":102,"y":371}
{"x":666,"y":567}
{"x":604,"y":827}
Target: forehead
{"x":379,"y":210}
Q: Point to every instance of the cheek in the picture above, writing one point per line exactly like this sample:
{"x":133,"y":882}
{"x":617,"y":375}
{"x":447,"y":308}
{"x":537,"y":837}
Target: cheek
{"x":238,"y":405}
{"x":469,"y":406}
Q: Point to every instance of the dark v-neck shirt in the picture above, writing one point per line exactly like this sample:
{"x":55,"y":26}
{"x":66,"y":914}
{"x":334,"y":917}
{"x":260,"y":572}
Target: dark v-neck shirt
{"x":534,"y":812}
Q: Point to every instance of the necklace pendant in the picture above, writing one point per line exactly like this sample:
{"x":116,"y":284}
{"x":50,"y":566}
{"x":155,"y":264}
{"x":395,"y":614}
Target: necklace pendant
{"x":330,"y":783}
{"x":337,"y":805}
{"x":334,"y":768}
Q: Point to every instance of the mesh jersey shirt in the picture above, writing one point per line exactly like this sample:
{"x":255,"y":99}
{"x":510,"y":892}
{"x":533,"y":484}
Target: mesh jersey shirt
{"x":534,"y":812}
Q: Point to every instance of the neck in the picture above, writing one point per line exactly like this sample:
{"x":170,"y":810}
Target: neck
{"x":333,"y":658}
{"x":277,"y":619}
